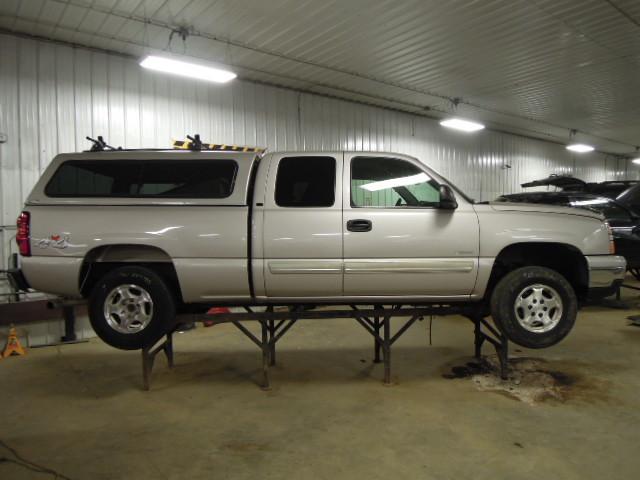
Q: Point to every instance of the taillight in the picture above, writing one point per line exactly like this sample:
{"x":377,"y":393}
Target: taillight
{"x":23,"y":236}
{"x":612,"y":244}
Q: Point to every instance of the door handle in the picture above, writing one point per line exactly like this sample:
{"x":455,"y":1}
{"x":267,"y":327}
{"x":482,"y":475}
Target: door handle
{"x":359,"y":225}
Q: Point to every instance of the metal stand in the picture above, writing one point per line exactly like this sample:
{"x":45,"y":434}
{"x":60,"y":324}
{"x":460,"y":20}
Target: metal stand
{"x":271,"y":332}
{"x":149,"y":357}
{"x":376,"y":321}
{"x":69,"y":324}
{"x":385,"y":341}
{"x":494,"y":337}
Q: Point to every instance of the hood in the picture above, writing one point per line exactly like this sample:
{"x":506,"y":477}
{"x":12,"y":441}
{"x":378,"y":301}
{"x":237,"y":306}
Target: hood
{"x":541,"y":208}
{"x":562,"y":181}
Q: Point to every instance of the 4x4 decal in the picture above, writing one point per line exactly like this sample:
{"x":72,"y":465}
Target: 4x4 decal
{"x":54,"y":241}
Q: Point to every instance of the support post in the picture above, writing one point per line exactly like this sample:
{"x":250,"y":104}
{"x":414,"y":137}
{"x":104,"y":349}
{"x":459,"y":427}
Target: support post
{"x":69,"y":324}
{"x":386,"y":348}
{"x":503,"y":357}
{"x":149,"y":356}
{"x":272,"y":334}
{"x":496,"y":338}
{"x":266,"y":350}
{"x":376,"y":344}
{"x":168,"y":349}
{"x":478,"y":337}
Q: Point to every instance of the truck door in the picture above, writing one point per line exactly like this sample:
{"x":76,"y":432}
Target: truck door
{"x":302,"y":226}
{"x":396,"y":239}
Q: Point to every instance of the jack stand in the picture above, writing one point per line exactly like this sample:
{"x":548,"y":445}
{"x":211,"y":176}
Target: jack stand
{"x":13,"y":346}
{"x":385,"y":342}
{"x":271,"y":331}
{"x":494,"y":337}
{"x":149,"y":356}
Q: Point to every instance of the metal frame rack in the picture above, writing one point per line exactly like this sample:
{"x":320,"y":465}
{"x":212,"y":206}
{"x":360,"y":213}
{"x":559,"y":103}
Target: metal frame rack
{"x":376,"y":321}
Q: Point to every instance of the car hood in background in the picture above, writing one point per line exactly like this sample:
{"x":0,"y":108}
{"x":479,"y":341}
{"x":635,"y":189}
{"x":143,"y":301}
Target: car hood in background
{"x":541,"y":208}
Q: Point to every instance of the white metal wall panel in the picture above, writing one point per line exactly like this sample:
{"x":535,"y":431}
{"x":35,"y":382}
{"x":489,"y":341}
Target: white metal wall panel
{"x":564,"y":64}
{"x":52,"y":96}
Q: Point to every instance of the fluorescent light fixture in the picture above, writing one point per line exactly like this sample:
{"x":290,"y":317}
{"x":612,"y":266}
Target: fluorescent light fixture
{"x":187,"y":69}
{"x":636,"y":161}
{"x":462,"y":125}
{"x":396,"y":182}
{"x":580,"y":148}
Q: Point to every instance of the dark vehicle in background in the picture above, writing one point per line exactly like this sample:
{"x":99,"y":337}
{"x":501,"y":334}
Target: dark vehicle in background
{"x":624,"y":223}
{"x":630,"y":198}
{"x":610,"y":189}
{"x":625,"y":192}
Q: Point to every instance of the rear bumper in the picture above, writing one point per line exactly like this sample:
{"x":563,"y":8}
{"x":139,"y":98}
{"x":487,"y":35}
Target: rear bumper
{"x":606,"y":273}
{"x":17,"y":280}
{"x":16,"y":277}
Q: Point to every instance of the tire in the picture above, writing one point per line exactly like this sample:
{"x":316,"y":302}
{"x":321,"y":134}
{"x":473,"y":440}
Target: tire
{"x":131,"y":308}
{"x":534,"y":307}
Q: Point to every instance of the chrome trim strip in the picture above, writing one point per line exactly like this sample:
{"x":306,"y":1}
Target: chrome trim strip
{"x":285,"y":267}
{"x":410,"y":266}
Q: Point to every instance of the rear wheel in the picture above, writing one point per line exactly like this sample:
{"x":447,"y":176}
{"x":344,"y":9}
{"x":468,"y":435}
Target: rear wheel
{"x":131,"y":307}
{"x":534,"y":307}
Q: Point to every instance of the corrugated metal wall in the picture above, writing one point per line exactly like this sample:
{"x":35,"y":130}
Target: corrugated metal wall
{"x":52,"y":96}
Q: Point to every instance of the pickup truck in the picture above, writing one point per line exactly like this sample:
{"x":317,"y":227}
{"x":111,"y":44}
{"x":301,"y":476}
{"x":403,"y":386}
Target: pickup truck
{"x":146,"y":234}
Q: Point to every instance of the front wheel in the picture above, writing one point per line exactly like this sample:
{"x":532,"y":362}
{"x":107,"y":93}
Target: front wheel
{"x":131,"y":307}
{"x":534,"y":307}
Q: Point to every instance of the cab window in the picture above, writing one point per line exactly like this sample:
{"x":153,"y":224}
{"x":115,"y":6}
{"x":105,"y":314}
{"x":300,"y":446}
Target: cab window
{"x":383,"y":182}
{"x":306,"y":182}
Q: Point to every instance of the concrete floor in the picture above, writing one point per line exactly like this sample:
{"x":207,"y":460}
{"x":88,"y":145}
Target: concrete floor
{"x":79,"y":409}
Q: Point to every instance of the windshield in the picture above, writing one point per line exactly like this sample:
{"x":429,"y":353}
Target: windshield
{"x":442,"y":179}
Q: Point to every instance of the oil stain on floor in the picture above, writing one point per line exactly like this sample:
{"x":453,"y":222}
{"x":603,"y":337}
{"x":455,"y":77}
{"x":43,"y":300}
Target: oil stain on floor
{"x":531,"y":380}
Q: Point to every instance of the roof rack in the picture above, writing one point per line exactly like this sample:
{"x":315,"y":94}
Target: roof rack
{"x":100,"y":145}
{"x":195,"y":144}
{"x":192,"y":143}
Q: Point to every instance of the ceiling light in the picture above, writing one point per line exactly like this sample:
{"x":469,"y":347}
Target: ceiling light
{"x":636,"y":161}
{"x":580,"y":148}
{"x":187,"y":69}
{"x":462,"y":125}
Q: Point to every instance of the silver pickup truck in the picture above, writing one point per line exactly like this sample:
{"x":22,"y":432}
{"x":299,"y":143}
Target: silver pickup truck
{"x":146,"y":234}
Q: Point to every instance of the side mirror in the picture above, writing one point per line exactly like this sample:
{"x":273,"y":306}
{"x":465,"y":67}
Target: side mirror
{"x":447,"y":198}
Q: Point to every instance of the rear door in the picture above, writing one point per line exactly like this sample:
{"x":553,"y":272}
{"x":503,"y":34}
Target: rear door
{"x":302,"y":226}
{"x":397,"y":242}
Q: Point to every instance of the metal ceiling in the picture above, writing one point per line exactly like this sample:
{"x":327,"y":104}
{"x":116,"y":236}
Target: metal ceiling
{"x":536,"y":67}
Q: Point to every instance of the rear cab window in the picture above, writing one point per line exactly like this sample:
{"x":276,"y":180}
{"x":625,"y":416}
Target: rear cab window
{"x":171,"y":179}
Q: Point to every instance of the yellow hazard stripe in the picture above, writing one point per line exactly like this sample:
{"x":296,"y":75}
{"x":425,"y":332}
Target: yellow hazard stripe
{"x":187,"y":144}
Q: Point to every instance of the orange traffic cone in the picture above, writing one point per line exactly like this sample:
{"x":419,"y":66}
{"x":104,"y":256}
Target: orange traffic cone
{"x":13,"y":345}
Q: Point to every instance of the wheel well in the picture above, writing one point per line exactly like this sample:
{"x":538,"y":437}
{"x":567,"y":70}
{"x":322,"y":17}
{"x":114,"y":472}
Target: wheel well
{"x":564,"y":259}
{"x":100,"y":261}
